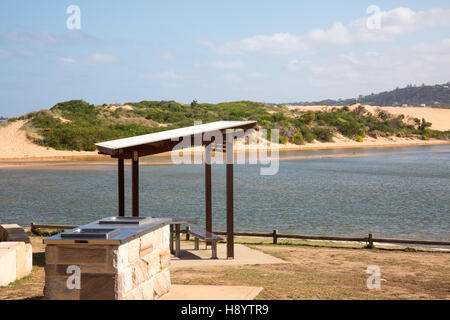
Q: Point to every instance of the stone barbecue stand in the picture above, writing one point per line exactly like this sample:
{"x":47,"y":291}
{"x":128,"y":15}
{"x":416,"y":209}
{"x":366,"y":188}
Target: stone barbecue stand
{"x":16,"y":253}
{"x":133,"y":265}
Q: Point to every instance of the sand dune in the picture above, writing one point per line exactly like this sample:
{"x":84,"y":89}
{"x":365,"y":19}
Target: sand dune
{"x":440,"y":118}
{"x":14,"y":144}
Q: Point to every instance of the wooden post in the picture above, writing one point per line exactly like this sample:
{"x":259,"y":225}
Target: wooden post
{"x":135,"y":184}
{"x":177,"y":240}
{"x":275,"y":236}
{"x":370,"y":241}
{"x":208,"y":193}
{"x":121,"y":189}
{"x":172,"y":233}
{"x":188,"y":236}
{"x":230,"y":209}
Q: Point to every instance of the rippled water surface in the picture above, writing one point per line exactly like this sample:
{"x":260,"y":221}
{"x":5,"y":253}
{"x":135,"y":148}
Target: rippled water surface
{"x":397,"y":192}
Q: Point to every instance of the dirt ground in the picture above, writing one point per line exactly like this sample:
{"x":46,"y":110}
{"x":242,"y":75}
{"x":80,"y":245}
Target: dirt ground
{"x":334,"y":273}
{"x":313,"y":272}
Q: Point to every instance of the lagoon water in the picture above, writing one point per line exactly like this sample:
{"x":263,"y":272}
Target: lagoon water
{"x":394,"y":192}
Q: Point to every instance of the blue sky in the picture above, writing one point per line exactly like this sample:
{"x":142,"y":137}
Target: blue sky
{"x":211,"y":51}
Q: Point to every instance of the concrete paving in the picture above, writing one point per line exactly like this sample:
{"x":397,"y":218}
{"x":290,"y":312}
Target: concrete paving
{"x":188,"y":292}
{"x":242,"y":255}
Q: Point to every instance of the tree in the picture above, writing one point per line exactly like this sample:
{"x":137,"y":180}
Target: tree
{"x":422,"y":125}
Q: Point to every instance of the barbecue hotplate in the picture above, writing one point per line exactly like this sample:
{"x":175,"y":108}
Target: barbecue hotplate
{"x":114,"y":230}
{"x":90,"y":233}
{"x":125,"y":220}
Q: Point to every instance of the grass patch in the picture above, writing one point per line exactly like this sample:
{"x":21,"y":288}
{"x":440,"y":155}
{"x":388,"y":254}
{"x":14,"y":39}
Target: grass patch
{"x":18,"y":282}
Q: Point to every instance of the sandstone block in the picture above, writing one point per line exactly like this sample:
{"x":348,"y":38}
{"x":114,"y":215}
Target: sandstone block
{"x":165,"y":258}
{"x":147,"y":240}
{"x":161,"y":283}
{"x":125,"y":281}
{"x":140,"y":272}
{"x":29,"y":258}
{"x":134,"y":248}
{"x":135,"y":294}
{"x":154,"y":262}
{"x":24,"y":257}
{"x":75,"y":254}
{"x":7,"y":266}
{"x":165,"y":237}
{"x":147,"y":290}
{"x":21,"y":260}
{"x":57,"y":289}
{"x":98,"y":286}
{"x":119,"y":256}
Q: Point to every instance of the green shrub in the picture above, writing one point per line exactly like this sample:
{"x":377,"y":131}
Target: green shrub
{"x":307,"y":134}
{"x":298,"y":138}
{"x":323,"y":134}
{"x":283,"y":140}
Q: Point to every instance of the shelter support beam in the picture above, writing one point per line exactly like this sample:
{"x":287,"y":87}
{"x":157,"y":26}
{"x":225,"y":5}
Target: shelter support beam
{"x":135,"y":185}
{"x":230,"y":209}
{"x":121,"y":189}
{"x":208,"y":189}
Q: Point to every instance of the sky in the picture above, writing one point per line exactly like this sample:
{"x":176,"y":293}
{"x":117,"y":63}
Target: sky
{"x":214,"y":51}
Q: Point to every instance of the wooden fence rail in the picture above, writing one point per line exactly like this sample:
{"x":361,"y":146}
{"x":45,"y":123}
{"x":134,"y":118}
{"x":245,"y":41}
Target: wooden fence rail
{"x":275,"y":236}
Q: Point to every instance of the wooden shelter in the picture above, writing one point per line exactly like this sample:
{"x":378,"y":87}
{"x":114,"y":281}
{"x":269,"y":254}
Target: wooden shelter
{"x":135,"y":147}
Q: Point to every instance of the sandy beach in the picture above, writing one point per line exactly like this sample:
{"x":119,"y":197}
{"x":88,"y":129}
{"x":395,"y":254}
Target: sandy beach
{"x":15,"y":146}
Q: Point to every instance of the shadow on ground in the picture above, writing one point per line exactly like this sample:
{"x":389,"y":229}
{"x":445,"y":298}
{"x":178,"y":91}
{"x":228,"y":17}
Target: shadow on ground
{"x":39,"y":259}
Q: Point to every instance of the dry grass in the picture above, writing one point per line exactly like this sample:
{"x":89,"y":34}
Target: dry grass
{"x":329,"y":270}
{"x":316,"y":270}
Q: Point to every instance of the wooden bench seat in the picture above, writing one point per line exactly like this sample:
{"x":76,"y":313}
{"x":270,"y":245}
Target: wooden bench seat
{"x":207,"y":236}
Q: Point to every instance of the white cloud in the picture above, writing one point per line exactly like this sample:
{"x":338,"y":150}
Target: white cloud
{"x":66,"y":60}
{"x":232,"y":78}
{"x":25,"y":53}
{"x":257,"y":75}
{"x":394,"y":23}
{"x":374,"y":71}
{"x":4,"y":54}
{"x":48,"y":38}
{"x":282,"y":43}
{"x":304,"y":66}
{"x":227,"y":64}
{"x":14,"y":54}
{"x":168,"y":55}
{"x":165,"y":75}
{"x":170,"y":75}
{"x":337,"y":34}
{"x":100,"y":58}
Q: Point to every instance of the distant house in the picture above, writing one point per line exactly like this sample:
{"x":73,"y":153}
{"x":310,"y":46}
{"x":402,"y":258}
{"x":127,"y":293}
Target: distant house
{"x":423,"y":105}
{"x":404,"y":105}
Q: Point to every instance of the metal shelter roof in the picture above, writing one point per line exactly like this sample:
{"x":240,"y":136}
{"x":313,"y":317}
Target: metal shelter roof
{"x":164,"y":141}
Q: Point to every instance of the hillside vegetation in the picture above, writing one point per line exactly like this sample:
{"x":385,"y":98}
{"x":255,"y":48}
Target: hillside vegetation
{"x":77,"y":125}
